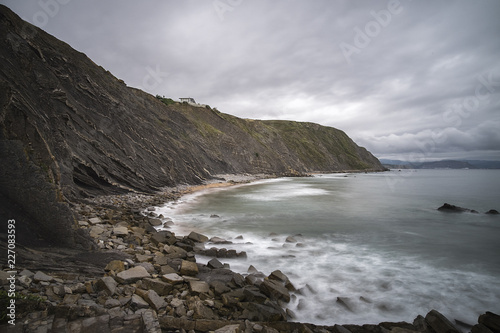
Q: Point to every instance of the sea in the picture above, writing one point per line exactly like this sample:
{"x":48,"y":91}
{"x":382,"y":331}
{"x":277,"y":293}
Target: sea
{"x":364,"y":247}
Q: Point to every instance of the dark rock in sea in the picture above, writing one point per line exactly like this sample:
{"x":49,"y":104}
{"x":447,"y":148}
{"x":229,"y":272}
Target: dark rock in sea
{"x":491,"y":321}
{"x":344,"y":302}
{"x":480,"y":328}
{"x":198,"y":238}
{"x":455,"y":209}
{"x":275,"y":289}
{"x":492,"y":212}
{"x":214,"y":263}
{"x":439,"y":323}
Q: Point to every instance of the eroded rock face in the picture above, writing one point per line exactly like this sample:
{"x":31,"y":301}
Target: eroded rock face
{"x":69,"y":130}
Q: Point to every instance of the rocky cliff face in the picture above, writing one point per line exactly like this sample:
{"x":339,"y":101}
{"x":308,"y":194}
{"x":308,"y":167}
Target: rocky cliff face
{"x":69,"y":129}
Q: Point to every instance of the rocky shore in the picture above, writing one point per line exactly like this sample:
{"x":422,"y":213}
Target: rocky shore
{"x":139,"y":279}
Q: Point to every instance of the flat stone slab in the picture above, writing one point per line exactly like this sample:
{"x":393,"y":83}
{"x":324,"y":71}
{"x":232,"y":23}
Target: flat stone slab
{"x":95,"y":220}
{"x":172,"y":278}
{"x":120,"y":231}
{"x":41,"y":276}
{"x":132,"y":275}
{"x":199,"y":287}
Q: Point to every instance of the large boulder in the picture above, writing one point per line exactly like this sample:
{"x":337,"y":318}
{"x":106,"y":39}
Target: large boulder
{"x":132,"y":275}
{"x":106,"y":284}
{"x":196,"y":237}
{"x":162,"y":288}
{"x":439,"y":323}
{"x":189,"y":268}
{"x":275,"y":290}
{"x":165,"y":237}
{"x":199,"y":287}
{"x":172,"y":278}
{"x":154,"y":300}
{"x":490,"y":320}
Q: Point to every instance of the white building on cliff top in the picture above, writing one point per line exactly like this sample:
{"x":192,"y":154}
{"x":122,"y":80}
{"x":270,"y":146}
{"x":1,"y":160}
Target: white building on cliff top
{"x":191,"y":101}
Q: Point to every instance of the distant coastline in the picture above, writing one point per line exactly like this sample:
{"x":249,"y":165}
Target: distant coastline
{"x":442,"y":164}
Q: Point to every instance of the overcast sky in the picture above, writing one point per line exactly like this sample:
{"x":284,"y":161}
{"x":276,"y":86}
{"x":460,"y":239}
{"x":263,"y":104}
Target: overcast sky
{"x":408,"y":80}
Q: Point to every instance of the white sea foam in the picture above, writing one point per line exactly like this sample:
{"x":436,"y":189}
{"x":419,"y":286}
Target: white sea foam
{"x":340,"y":283}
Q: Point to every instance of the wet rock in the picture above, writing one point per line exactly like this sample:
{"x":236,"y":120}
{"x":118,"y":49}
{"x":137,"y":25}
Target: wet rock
{"x":491,"y":321}
{"x":175,"y":252}
{"x":189,"y":268}
{"x":214,"y":263}
{"x":252,"y":294}
{"x":279,"y":276}
{"x":218,"y":240}
{"x":267,"y":312}
{"x":439,"y":323}
{"x":219,"y":287}
{"x":275,"y":289}
{"x":344,"y":302}
{"x":455,"y":209}
{"x":155,"y":222}
{"x":290,"y":239}
{"x":480,"y":328}
{"x":492,"y":212}
{"x":164,"y":237}
{"x":196,"y":237}
{"x":132,"y":275}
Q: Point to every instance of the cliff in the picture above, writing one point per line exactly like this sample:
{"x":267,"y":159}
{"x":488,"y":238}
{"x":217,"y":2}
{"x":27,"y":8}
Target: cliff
{"x":69,"y":129}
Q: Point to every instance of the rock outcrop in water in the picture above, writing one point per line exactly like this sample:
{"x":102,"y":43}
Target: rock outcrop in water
{"x":69,"y":129}
{"x":448,"y":208}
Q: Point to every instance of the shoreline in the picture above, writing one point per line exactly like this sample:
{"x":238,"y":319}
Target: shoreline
{"x":173,"y":292}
